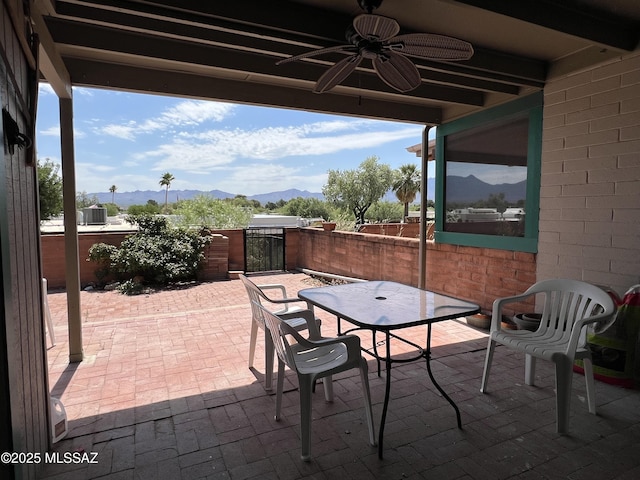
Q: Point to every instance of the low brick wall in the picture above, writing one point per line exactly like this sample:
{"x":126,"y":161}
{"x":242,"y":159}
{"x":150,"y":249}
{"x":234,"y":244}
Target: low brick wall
{"x":477,"y":274}
{"x":409,"y":230}
{"x":53,"y":256}
{"x":215,"y":266}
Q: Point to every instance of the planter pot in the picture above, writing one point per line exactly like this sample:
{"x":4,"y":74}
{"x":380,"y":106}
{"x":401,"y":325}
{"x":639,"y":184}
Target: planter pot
{"x":329,"y":226}
{"x":479,"y":320}
{"x":508,"y":324}
{"x":528,"y":321}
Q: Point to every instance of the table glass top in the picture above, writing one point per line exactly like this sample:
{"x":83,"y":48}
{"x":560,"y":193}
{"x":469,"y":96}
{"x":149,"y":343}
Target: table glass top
{"x":386,"y":305}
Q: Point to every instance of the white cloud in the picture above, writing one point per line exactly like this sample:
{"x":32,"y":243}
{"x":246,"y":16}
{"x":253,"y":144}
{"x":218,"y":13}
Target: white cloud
{"x":194,"y":112}
{"x":187,"y":113}
{"x":272,"y":178}
{"x":45,"y":89}
{"x":126,"y":132}
{"x":54,"y":131}
{"x":51,"y":131}
{"x":210,"y":149}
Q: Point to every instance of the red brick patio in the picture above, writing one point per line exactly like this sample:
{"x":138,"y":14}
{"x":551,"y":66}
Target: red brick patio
{"x":165,"y":392}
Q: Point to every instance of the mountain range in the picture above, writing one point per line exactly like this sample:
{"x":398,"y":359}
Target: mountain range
{"x":140,"y":197}
{"x":459,"y":189}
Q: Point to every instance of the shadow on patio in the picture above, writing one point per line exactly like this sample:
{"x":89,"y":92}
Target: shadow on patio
{"x":165,"y":392}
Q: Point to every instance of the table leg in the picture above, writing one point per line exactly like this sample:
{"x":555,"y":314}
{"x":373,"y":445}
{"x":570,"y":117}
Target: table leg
{"x":433,"y":380}
{"x":387,"y":390}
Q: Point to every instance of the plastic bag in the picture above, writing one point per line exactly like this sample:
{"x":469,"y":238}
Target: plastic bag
{"x":616,"y":349}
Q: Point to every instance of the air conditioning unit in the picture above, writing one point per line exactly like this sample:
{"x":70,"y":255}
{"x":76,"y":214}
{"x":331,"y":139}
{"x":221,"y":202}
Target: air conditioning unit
{"x":94,"y":216}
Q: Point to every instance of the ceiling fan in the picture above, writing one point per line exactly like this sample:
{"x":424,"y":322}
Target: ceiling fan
{"x":376,"y":38}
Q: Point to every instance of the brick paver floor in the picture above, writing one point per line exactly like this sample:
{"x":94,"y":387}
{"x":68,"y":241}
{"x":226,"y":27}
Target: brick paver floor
{"x":164,"y":392}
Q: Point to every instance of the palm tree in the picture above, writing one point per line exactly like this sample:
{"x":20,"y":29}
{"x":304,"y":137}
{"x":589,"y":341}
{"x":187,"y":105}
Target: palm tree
{"x":165,"y":181}
{"x":407,"y":185}
{"x":113,"y":189}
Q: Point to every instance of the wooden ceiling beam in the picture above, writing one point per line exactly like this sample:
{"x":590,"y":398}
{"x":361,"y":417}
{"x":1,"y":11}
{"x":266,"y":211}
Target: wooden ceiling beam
{"x":91,"y":37}
{"x":568,"y":17}
{"x":93,"y":73}
{"x":229,"y":23}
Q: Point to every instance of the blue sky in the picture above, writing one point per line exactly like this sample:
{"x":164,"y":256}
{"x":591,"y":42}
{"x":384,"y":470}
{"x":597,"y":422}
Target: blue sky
{"x":130,"y":140}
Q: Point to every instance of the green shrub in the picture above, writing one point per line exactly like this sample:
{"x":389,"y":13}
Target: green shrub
{"x":157,"y":254}
{"x":206,"y":211}
{"x":101,"y":253}
{"x":130,"y":287}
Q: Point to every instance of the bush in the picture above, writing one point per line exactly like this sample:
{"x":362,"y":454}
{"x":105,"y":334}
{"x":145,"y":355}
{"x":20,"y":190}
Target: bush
{"x":101,"y":253}
{"x":209,"y":212}
{"x":130,"y":287}
{"x":157,"y":254}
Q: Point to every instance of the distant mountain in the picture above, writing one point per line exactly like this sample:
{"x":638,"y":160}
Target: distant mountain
{"x":471,"y":189}
{"x":285,"y":195}
{"x":141,"y":197}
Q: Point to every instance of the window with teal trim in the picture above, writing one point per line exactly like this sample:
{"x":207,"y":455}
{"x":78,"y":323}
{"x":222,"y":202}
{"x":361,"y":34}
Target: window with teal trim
{"x":488,"y":176}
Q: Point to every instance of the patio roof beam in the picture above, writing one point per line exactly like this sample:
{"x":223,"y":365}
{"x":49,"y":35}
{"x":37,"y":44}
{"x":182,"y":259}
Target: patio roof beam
{"x":86,"y":72}
{"x":281,"y":36}
{"x":570,"y":17}
{"x":190,"y":30}
{"x":166,"y":50}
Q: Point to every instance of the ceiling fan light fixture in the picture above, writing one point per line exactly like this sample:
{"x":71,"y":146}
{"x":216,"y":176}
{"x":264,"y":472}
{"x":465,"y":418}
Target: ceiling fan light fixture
{"x":375,"y":27}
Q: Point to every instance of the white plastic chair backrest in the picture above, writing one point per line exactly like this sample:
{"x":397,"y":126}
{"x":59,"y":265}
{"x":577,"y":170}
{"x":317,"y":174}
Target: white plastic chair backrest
{"x":254,"y":294}
{"x":567,"y":302}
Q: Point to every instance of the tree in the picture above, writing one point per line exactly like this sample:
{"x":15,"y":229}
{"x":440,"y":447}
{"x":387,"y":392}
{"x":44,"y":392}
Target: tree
{"x":356,"y":190}
{"x":151,"y":208}
{"x":406,"y":185}
{"x":307,"y":208}
{"x":384,"y":212}
{"x":165,"y":181}
{"x":206,"y":211}
{"x":84,"y":200}
{"x":113,"y":189}
{"x":50,"y":189}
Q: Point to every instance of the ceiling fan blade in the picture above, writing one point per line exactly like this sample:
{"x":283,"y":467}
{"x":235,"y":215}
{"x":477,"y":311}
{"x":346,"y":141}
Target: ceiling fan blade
{"x":430,"y":46}
{"x":348,"y":49}
{"x":397,"y":71}
{"x":375,"y":27}
{"x":337,"y":73}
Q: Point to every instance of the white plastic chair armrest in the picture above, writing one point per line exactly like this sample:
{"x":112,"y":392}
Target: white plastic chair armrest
{"x":498,"y":304}
{"x":576,"y":330}
{"x":282,"y":301}
{"x":352,"y":342}
{"x":308,"y":316}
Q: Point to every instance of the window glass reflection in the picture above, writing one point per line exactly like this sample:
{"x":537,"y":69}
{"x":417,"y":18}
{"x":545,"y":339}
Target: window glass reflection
{"x":486,"y":178}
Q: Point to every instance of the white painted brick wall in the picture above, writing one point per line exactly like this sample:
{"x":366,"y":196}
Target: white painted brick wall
{"x":590,"y":176}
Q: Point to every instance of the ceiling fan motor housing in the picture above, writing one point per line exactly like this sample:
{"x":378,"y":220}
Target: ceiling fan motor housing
{"x":369,"y":5}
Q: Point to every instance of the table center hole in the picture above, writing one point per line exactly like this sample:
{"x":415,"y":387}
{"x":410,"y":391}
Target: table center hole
{"x":381,"y":298}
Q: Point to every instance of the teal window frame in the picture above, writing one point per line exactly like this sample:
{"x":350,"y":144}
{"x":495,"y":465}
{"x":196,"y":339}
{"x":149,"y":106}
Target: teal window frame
{"x":531,"y":105}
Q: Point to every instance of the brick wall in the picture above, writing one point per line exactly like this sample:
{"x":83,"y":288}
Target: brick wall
{"x":477,"y":274}
{"x":409,"y":230}
{"x":215,"y":266}
{"x":590,"y":183}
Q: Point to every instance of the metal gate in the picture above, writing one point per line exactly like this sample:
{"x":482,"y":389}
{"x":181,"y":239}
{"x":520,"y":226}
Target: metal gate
{"x":263,"y":249}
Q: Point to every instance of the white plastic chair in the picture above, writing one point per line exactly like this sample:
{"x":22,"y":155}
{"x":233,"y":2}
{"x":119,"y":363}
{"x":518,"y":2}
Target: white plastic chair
{"x":313,"y":358}
{"x":46,"y":312}
{"x":568,"y":307}
{"x":257,"y":296}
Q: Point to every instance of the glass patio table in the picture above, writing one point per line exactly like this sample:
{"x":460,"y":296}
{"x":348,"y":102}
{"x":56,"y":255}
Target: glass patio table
{"x":384,"y":307}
